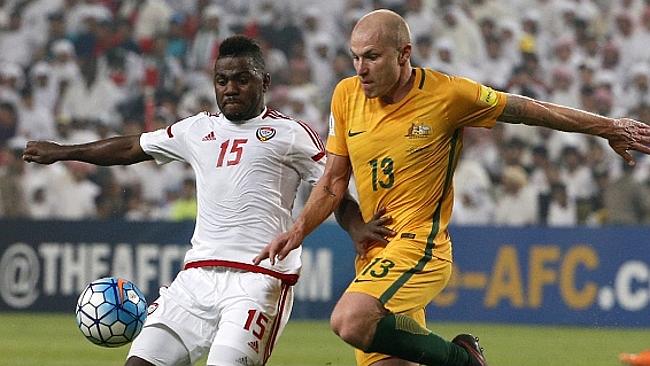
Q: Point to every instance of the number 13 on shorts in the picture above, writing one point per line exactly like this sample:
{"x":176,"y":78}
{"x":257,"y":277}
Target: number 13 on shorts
{"x":378,"y":268}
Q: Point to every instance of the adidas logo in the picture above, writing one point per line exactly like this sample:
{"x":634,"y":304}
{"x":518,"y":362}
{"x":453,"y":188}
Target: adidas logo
{"x":209,"y":137}
{"x":255,"y":346}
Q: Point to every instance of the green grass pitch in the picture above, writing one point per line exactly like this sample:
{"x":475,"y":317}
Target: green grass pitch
{"x":54,"y":340}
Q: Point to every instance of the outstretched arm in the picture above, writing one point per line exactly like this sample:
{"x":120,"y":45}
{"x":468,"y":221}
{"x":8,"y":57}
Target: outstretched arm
{"x":323,"y":200}
{"x":623,"y":134}
{"x":122,"y":150}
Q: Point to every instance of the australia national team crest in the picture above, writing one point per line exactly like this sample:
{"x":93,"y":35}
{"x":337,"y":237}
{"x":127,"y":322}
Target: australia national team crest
{"x":418,"y":131}
{"x":265,"y":133}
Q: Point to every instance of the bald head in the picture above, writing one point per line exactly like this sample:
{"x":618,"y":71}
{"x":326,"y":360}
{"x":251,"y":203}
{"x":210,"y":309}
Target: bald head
{"x":384,"y":25}
{"x":380,"y":45}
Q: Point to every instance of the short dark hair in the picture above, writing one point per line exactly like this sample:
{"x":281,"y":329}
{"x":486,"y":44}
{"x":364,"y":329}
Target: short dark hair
{"x":242,"y":46}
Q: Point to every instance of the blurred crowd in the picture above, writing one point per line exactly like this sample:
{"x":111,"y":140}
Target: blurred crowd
{"x":74,"y":71}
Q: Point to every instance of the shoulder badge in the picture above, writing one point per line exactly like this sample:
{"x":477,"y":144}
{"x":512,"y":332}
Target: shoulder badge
{"x":488,"y":96}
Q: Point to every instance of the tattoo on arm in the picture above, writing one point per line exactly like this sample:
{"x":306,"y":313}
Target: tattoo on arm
{"x":520,"y":109}
{"x":329,"y":191}
{"x":516,"y":110}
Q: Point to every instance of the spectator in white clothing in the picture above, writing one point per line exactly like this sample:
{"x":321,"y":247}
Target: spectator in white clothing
{"x":93,"y":98}
{"x":321,"y":68}
{"x":424,"y":52}
{"x":642,"y":37}
{"x":562,"y":211}
{"x":35,"y":121}
{"x":474,"y":204}
{"x":625,"y":37}
{"x":44,"y":88}
{"x":464,"y":35}
{"x":517,"y":202}
{"x":576,"y":175}
{"x":153,"y":18}
{"x":11,"y":81}
{"x":638,"y":88}
{"x":496,"y":68}
{"x":206,"y":42}
{"x":563,"y":89}
{"x":16,"y":43}
{"x":73,"y":193}
{"x":449,"y":62}
{"x":564,"y":54}
{"x":65,"y":69}
{"x":419,"y":17}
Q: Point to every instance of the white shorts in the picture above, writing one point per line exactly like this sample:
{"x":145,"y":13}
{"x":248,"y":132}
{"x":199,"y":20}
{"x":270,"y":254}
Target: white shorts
{"x":224,"y":312}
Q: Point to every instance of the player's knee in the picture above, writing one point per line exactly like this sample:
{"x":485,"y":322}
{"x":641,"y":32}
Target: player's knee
{"x":352,"y":326}
{"x":137,"y":361}
{"x":355,"y":318}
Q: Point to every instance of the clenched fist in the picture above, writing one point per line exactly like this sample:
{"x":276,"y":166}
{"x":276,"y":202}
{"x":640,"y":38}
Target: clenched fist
{"x":42,"y":152}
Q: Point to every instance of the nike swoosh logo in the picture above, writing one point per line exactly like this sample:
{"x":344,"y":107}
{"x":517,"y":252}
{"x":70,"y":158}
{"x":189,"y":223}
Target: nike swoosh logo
{"x":350,"y":133}
{"x":360,"y":280}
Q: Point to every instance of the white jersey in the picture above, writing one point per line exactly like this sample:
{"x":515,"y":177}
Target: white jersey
{"x":247,"y":175}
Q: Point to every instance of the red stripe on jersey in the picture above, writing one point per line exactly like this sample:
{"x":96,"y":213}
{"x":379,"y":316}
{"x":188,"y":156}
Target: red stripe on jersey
{"x":272,"y":113}
{"x":313,"y":135}
{"x":275,"y":114}
{"x":288,"y":278}
{"x":318,"y":156}
{"x":276,"y":323}
{"x":169,"y":132}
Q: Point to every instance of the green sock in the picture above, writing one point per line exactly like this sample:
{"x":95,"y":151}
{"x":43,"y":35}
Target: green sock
{"x":402,"y":337}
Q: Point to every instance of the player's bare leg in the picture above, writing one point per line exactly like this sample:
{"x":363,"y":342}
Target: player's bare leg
{"x":355,"y":318}
{"x":363,"y":322}
{"x":137,"y":361}
{"x":159,"y":344}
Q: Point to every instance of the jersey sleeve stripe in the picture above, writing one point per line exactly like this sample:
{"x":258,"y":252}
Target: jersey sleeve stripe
{"x":272,"y":113}
{"x":313,"y":135}
{"x":318,"y":156}
{"x":169,"y":132}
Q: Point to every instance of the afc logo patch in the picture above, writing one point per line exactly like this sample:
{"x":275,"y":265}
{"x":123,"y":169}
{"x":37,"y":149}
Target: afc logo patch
{"x":265,"y":133}
{"x":488,"y":96}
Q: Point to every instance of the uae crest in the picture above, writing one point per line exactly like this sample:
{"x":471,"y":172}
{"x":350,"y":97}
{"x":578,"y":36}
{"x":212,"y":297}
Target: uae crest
{"x":265,"y":133}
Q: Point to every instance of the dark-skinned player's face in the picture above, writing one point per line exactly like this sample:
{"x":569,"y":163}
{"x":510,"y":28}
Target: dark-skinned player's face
{"x":240,"y":87}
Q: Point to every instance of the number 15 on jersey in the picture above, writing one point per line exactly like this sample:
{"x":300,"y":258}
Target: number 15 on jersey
{"x":235,"y":153}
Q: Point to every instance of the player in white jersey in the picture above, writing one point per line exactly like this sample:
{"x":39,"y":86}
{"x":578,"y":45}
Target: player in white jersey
{"x":248,"y":161}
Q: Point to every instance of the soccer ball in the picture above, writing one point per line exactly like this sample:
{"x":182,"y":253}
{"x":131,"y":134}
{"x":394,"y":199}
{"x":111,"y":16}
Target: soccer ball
{"x":111,"y":311}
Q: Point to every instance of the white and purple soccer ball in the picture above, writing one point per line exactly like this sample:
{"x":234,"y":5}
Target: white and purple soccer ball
{"x":111,"y":311}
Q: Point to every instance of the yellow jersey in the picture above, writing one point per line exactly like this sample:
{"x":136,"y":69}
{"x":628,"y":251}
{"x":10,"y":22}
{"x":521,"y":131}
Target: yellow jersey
{"x":403,"y":155}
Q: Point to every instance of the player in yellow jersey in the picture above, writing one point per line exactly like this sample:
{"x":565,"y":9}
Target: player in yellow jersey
{"x":399,"y":130}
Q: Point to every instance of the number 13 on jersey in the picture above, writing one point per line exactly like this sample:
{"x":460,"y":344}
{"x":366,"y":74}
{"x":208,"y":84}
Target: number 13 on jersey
{"x":383,"y":175}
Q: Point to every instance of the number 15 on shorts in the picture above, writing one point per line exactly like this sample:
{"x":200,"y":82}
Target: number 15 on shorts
{"x":256,"y":322}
